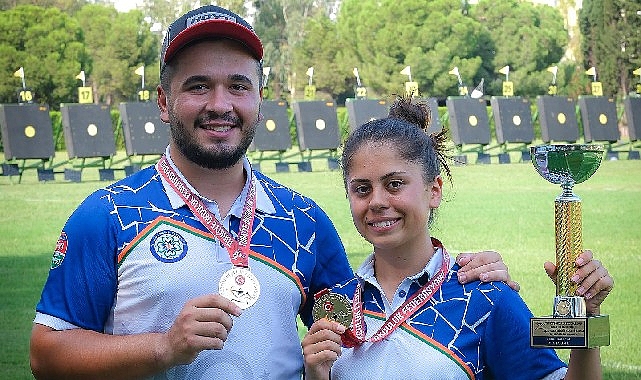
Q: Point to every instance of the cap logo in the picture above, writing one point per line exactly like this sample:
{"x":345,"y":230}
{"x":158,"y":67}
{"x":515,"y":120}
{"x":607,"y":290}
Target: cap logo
{"x":209,"y":16}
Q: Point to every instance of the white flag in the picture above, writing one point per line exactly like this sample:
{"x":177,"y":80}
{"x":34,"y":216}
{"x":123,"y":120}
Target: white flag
{"x":406,"y":71}
{"x":19,"y":72}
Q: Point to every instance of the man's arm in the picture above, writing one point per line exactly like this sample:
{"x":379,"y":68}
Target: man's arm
{"x":203,"y":324}
{"x":485,"y":266}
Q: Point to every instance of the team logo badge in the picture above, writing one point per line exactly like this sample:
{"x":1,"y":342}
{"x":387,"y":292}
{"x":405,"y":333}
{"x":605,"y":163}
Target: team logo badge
{"x":168,"y":246}
{"x":60,"y":252}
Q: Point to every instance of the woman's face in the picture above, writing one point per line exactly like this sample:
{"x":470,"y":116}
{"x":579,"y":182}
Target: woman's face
{"x":389,"y":200}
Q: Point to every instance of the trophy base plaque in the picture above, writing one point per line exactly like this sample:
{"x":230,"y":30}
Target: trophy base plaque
{"x":581,"y":332}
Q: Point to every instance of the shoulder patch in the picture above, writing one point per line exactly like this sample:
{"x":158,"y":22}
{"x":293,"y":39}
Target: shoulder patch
{"x":60,"y":252}
{"x":168,"y":246}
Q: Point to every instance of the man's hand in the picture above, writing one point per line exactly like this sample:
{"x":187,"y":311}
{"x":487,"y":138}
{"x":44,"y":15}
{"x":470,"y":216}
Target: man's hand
{"x":485,"y":266}
{"x":203,"y":324}
{"x":593,"y":280}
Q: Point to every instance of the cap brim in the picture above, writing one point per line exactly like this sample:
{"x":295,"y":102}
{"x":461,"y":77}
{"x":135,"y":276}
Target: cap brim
{"x":215,"y":28}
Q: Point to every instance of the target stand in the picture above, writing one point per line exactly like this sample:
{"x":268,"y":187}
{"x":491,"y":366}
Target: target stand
{"x":89,"y":134}
{"x":144,"y":133}
{"x":360,"y":111}
{"x":600,"y":124}
{"x":27,"y":136}
{"x":513,"y":125}
{"x":272,"y":138}
{"x":469,"y":125}
{"x":317,"y":130}
{"x":557,"y":116}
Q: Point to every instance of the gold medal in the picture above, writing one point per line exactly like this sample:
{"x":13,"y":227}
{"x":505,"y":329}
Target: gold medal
{"x":240,"y":286}
{"x":333,"y":307}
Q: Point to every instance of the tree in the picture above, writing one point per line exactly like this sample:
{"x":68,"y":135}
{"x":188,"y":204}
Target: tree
{"x":526,"y":37}
{"x":381,"y":38}
{"x":612,"y":41}
{"x":118,"y":44}
{"x":48,"y":44}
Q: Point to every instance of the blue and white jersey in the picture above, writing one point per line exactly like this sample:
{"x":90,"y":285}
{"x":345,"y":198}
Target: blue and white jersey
{"x":473,"y":331}
{"x":132,"y":254}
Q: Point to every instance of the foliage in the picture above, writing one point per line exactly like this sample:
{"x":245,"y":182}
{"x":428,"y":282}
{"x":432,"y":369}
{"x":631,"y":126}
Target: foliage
{"x":48,"y":44}
{"x":612,"y":41}
{"x":118,"y":43}
{"x":530,"y":40}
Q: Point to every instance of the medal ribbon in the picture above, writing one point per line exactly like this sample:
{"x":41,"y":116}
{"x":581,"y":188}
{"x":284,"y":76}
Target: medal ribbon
{"x":409,"y":307}
{"x":238,"y":249}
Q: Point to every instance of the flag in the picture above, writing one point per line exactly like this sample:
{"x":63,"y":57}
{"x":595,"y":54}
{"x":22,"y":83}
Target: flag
{"x":637,"y":71}
{"x":19,"y":72}
{"x":591,"y":71}
{"x":81,"y":76}
{"x":140,"y":71}
{"x":355,"y":71}
{"x":478,"y":90}
{"x":310,"y":71}
{"x":553,"y":69}
{"x":505,"y":70}
{"x":406,"y":71}
{"x":454,"y":71}
{"x":266,"y":71}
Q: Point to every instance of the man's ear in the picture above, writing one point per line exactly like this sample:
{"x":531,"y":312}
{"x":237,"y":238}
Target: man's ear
{"x":162,"y":104}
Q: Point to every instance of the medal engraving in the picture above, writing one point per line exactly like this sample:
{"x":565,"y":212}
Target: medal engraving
{"x":240,"y":286}
{"x":333,"y":307}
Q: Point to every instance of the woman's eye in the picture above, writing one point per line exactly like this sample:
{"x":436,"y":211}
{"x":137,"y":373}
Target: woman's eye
{"x":396,"y":184}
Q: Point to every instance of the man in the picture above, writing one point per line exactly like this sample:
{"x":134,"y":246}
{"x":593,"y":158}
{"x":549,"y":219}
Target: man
{"x":197,"y":267}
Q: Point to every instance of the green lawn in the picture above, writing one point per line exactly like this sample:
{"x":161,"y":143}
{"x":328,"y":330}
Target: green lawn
{"x":508,"y":208}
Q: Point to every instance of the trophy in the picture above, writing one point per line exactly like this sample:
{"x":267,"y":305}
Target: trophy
{"x":569,"y":326}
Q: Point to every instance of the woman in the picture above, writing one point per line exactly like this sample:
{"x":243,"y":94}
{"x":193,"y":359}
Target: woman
{"x":411,"y":317}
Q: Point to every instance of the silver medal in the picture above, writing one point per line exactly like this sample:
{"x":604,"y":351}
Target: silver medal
{"x":240,"y":286}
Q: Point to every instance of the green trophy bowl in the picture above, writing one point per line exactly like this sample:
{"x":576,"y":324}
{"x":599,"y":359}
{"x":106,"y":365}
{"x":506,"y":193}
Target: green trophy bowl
{"x":566,"y":165}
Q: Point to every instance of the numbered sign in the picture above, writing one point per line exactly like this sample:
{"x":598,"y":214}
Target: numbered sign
{"x":85,"y":95}
{"x":597,"y":89}
{"x":361,"y":92}
{"x":508,"y":88}
{"x":25,"y":96}
{"x":552,"y":90}
{"x":411,"y":89}
{"x":310,"y":92}
{"x":144,"y":95}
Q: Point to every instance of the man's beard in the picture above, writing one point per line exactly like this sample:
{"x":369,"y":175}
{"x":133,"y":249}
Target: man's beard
{"x":221,"y":157}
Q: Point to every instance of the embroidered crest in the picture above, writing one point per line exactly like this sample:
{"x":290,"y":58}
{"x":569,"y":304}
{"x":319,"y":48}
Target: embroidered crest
{"x":60,"y":252}
{"x":168,"y":246}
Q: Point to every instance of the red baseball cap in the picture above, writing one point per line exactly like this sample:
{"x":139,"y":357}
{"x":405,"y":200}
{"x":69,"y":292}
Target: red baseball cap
{"x":208,"y":21}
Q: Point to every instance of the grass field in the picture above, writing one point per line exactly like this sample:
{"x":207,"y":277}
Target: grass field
{"x":508,"y":208}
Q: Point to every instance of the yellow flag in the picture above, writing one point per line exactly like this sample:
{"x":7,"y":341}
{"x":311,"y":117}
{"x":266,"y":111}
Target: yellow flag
{"x":81,"y":76}
{"x":310,"y":71}
{"x":140,"y":71}
{"x":454,"y":71}
{"x":406,"y":71}
{"x":505,"y":70}
{"x":591,"y":71}
{"x":553,"y":69}
{"x":19,"y":72}
{"x":637,"y":71}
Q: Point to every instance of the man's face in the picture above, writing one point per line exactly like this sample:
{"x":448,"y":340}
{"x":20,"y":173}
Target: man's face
{"x":213,"y":102}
